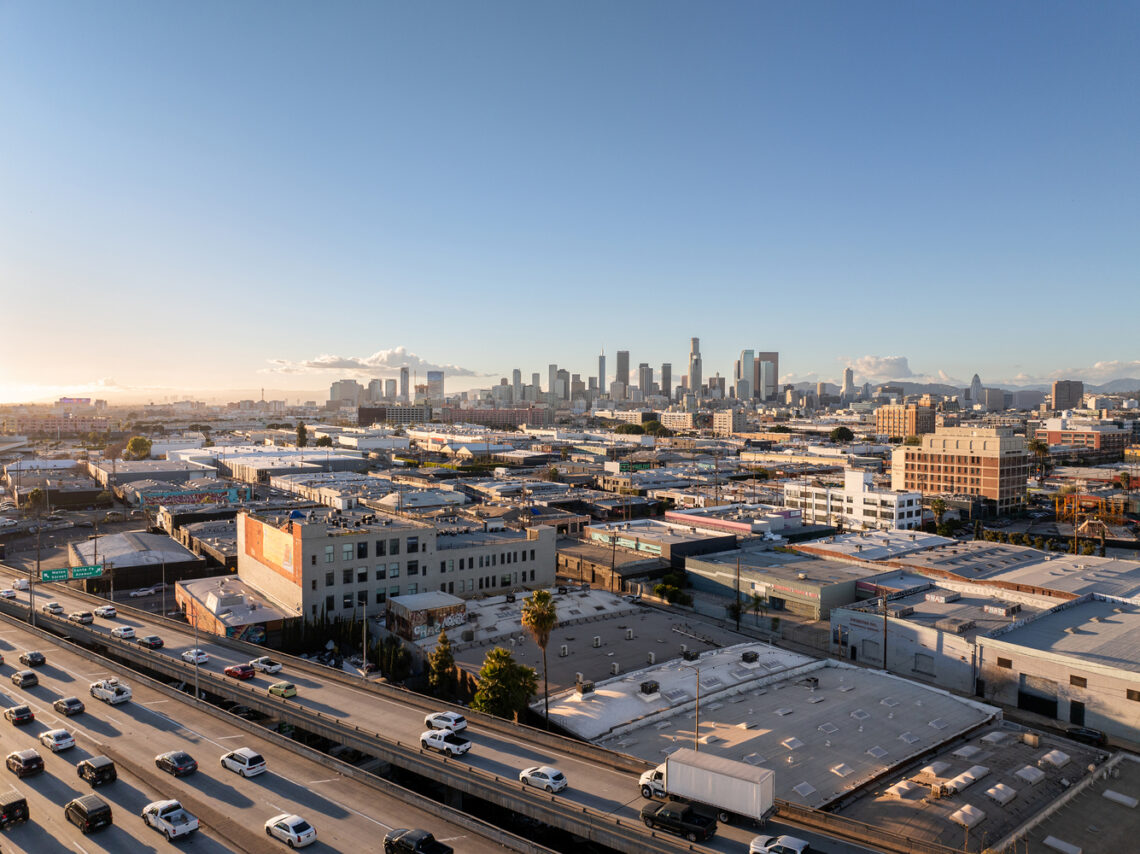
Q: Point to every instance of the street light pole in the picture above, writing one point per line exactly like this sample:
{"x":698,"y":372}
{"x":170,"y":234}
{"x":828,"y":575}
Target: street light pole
{"x":197,"y":650}
{"x":697,"y":714}
{"x":32,"y":581}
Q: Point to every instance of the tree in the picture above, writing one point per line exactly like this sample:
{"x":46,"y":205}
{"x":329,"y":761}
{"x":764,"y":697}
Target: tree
{"x":539,"y":617}
{"x":734,"y":609}
{"x":323,"y":442}
{"x":1040,"y":450}
{"x":938,"y":508}
{"x":1125,"y":481}
{"x":302,"y":434}
{"x":630,"y":430}
{"x":656,"y":428}
{"x":841,"y":434}
{"x":912,"y":440}
{"x":441,"y":668}
{"x":756,"y":605}
{"x":138,"y":448}
{"x":36,"y":502}
{"x":505,"y":686}
{"x":780,"y":428}
{"x":552,"y":474}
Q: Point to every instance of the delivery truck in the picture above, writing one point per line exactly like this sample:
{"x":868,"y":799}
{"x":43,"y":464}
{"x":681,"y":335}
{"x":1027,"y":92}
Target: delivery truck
{"x":730,"y":789}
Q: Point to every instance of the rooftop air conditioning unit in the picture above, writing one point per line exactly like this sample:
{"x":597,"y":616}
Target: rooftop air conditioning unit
{"x":650,"y":686}
{"x":690,"y":655}
{"x":751,"y":656}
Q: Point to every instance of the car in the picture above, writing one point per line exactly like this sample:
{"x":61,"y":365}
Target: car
{"x":240,"y":671}
{"x":88,"y":813}
{"x":81,"y":617}
{"x":401,"y":840}
{"x":24,"y":762}
{"x":451,"y":721}
{"x":543,"y":777}
{"x":13,"y":808}
{"x":123,"y":632}
{"x":20,"y":715}
{"x":57,"y":739}
{"x":53,"y":608}
{"x":779,"y":845}
{"x":679,"y":818}
{"x":150,"y":641}
{"x":1086,"y":735}
{"x":283,"y":689}
{"x":266,"y":665}
{"x":97,"y":770}
{"x":142,"y":591}
{"x":243,"y":761}
{"x":106,"y":611}
{"x":25,"y":679}
{"x":68,"y":706}
{"x":176,"y":762}
{"x":195,"y":656}
{"x":32,"y":658}
{"x":7,"y":593}
{"x":293,"y":830}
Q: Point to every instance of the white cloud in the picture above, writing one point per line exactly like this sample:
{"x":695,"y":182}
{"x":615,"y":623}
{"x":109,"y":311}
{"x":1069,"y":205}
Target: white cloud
{"x":882,"y":367}
{"x":380,"y":363}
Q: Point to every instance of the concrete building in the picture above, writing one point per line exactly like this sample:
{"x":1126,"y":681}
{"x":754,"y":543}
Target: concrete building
{"x":405,"y":390}
{"x":602,"y":372}
{"x":621,"y":375}
{"x":745,"y":375}
{"x":899,"y":421}
{"x":667,"y":380}
{"x":653,"y":538}
{"x":726,"y":422}
{"x":766,"y":375}
{"x":410,"y":414}
{"x":435,"y":387}
{"x":1104,"y":438}
{"x":345,"y":393}
{"x":857,"y":505}
{"x":1067,"y":394}
{"x":645,"y":379}
{"x":695,"y":371}
{"x":988,"y":462}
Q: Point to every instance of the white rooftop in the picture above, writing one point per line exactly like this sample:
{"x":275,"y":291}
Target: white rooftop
{"x":874,"y":545}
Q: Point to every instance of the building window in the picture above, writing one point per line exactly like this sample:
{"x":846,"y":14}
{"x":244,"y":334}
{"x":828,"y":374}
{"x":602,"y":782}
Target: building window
{"x":362,"y":597}
{"x":413,"y":545}
{"x":346,"y":576}
{"x":346,"y":551}
{"x":532,"y":554}
{"x":442,"y":567}
{"x":329,"y":554}
{"x":381,"y":597}
{"x":330,"y":604}
{"x":381,"y":573}
{"x":480,"y":583}
{"x":314,"y":584}
{"x":312,"y":560}
{"x":480,"y":561}
{"x":1005,"y":662}
{"x":1078,"y":682}
{"x":362,"y":575}
{"x":381,"y":548}
{"x":413,"y":589}
{"x":505,"y":579}
{"x":1134,"y":695}
{"x":393,"y":570}
{"x":413,"y":567}
{"x":362,"y":550}
{"x":393,"y":547}
{"x":346,"y":600}
{"x":330,"y":579}
{"x":394,"y":590}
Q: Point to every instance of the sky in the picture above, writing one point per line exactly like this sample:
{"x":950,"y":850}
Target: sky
{"x":222,"y":196}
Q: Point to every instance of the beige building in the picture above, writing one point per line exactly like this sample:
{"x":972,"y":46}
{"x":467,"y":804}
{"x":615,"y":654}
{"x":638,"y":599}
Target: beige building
{"x":898,"y":420}
{"x":990,"y":462}
{"x":728,"y":421}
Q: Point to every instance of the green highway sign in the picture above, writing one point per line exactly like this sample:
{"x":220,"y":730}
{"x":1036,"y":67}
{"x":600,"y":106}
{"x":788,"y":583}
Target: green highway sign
{"x":87,"y":571}
{"x":53,"y":574}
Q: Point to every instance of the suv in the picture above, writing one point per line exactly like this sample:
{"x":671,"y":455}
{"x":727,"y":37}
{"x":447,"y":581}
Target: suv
{"x":97,"y":770}
{"x":25,"y":679}
{"x":244,"y":761}
{"x":25,"y":762}
{"x":81,"y":617}
{"x":88,"y":813}
{"x":407,"y":841}
{"x":13,"y":808}
{"x":32,"y":658}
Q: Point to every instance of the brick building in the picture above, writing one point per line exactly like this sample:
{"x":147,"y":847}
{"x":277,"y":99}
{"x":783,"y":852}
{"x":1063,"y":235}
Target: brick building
{"x":899,"y":421}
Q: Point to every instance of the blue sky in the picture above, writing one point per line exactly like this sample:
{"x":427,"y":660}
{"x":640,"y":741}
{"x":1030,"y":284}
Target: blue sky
{"x":217,"y":194}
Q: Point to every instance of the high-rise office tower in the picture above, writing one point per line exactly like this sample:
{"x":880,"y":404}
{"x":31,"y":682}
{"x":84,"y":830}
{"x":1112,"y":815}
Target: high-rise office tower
{"x":695,"y":366}
{"x":768,"y":388}
{"x":404,"y":390}
{"x":602,"y":372}
{"x":435,"y":387}
{"x":562,"y":384}
{"x":622,"y":375}
{"x":389,"y":389}
{"x":667,"y":380}
{"x":1068,"y":394}
{"x":535,"y":382}
{"x":745,"y":375}
{"x":645,"y":379}
{"x":848,"y":384}
{"x":375,"y":390}
{"x":516,"y":384}
{"x":551,"y":382}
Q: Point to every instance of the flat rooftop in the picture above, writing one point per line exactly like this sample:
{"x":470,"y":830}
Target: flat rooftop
{"x":875,"y":545}
{"x":976,"y":559}
{"x":825,"y":727}
{"x":232,"y":601}
{"x":1003,"y":796}
{"x":1097,"y":631}
{"x":133,"y":548}
{"x":1080,"y":574}
{"x":783,"y":565}
{"x":647,"y":530}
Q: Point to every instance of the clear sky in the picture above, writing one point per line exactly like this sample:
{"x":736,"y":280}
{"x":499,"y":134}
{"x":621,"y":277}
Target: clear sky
{"x":235,"y":195}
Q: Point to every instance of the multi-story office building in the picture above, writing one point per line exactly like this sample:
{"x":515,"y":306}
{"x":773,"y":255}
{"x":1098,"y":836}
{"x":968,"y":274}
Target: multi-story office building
{"x":345,"y":564}
{"x":408,"y":414}
{"x":1068,"y":394}
{"x":726,"y":422}
{"x":645,"y":379}
{"x":435,"y":387}
{"x":857,"y":505}
{"x":516,"y":385}
{"x":622,"y":374}
{"x":389,"y":389}
{"x":696,"y":378}
{"x":405,"y":390}
{"x":345,"y":393}
{"x":667,"y":380}
{"x":745,"y":375}
{"x":899,"y":421}
{"x":848,"y":390}
{"x":1085,"y":434}
{"x":990,"y":462}
{"x":602,"y":372}
{"x":766,"y":376}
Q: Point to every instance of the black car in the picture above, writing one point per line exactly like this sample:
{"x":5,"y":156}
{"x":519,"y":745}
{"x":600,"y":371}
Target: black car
{"x":403,"y":841}
{"x":13,"y":808}
{"x":150,"y":641}
{"x":25,"y":679}
{"x":1086,"y":735}
{"x":69,"y":706}
{"x":176,"y":762}
{"x":20,"y":715}
{"x":97,"y":770}
{"x":32,"y":658}
{"x":24,"y":762}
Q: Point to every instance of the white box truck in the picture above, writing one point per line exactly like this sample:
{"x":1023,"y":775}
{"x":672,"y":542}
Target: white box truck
{"x":727,"y":787}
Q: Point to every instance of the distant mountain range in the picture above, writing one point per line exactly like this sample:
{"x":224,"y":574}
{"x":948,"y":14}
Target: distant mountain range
{"x":1121,"y":386}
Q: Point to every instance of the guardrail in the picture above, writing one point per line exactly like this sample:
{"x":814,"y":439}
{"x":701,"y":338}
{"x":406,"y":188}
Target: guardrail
{"x":622,"y":834}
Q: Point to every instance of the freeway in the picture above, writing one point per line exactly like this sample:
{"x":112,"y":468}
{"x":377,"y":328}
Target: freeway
{"x":347,"y":815}
{"x":607,"y":787}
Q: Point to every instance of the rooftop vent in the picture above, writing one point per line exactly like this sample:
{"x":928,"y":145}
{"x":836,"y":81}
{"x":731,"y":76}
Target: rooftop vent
{"x":650,"y":686}
{"x":750,"y":656}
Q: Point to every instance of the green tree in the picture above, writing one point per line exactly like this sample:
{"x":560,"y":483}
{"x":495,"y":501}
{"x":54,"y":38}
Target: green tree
{"x":938,"y":508}
{"x":302,"y":434}
{"x":630,"y":429}
{"x":539,"y":617}
{"x":323,"y":442}
{"x":912,"y":440}
{"x":656,"y":428}
{"x":505,"y":686}
{"x":36,"y":502}
{"x":552,"y":474}
{"x":756,"y":605}
{"x":441,"y":668}
{"x":1039,"y":448}
{"x":1125,"y":481}
{"x":138,"y":448}
{"x":841,"y":434}
{"x":734,"y":609}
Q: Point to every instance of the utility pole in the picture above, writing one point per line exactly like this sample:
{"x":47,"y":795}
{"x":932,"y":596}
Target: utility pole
{"x":697,"y":713}
{"x":736,"y":610}
{"x":884,"y":629}
{"x":32,"y":582}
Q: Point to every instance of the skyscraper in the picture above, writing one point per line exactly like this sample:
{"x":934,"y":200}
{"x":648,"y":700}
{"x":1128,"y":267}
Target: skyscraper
{"x":551,"y":380}
{"x":622,"y":375}
{"x":602,"y":372}
{"x":645,"y":379}
{"x":1068,"y":394}
{"x":516,"y":384}
{"x":767,"y":388}
{"x":389,"y":389}
{"x":745,"y":376}
{"x":435,"y":387}
{"x":404,"y":391}
{"x":848,"y":391}
{"x":667,"y":380}
{"x":695,"y":366}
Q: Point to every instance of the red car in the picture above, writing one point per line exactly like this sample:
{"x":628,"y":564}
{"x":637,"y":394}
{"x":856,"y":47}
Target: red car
{"x":240,"y":671}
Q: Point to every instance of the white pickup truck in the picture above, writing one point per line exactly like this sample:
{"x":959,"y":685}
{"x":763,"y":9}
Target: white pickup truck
{"x":168,"y":818}
{"x":266,"y":664}
{"x":445,"y":741}
{"x":111,"y":691}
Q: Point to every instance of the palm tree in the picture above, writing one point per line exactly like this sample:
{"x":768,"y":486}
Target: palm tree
{"x":756,"y":605}
{"x":938,"y":508}
{"x":539,"y":617}
{"x":1040,"y":450}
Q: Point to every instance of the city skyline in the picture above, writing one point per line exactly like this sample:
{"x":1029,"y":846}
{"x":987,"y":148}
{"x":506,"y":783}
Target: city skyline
{"x":903,"y":190}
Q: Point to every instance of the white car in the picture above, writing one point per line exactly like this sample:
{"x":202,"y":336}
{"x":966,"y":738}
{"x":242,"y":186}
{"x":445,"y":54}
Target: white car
{"x":8,"y":593}
{"x":105,"y":611}
{"x":244,"y":761}
{"x":123,"y":632}
{"x":779,"y":845}
{"x":142,"y":591}
{"x":57,"y":740}
{"x":195,"y":656}
{"x":293,"y":830}
{"x":8,"y":523}
{"x":451,"y":721}
{"x":52,"y":608}
{"x":543,"y":777}
{"x":266,"y":664}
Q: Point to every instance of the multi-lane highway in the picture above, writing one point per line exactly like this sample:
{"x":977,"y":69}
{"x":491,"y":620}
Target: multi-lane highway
{"x":498,"y":751}
{"x":232,"y":809}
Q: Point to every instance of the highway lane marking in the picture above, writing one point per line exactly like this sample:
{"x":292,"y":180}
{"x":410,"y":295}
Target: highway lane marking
{"x":224,"y":737}
{"x":81,"y":848}
{"x":314,"y":782}
{"x":181,"y":726}
{"x":343,"y":807}
{"x":154,"y":703}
